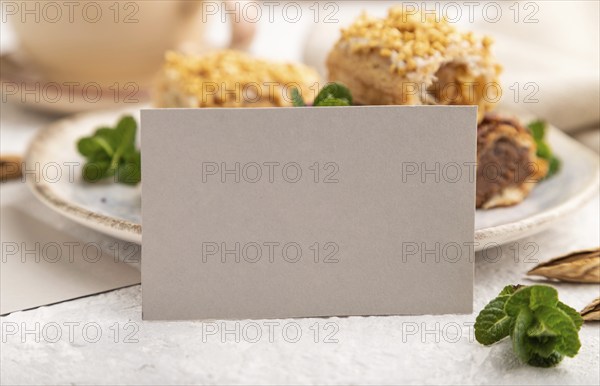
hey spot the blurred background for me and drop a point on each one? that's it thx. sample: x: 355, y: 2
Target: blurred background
x: 549, y: 50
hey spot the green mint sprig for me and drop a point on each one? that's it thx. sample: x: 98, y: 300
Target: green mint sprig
x: 334, y: 94
x: 544, y: 151
x: 111, y: 152
x: 543, y: 330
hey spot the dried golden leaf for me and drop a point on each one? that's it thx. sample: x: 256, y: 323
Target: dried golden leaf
x: 576, y: 267
x: 10, y: 167
x: 592, y: 311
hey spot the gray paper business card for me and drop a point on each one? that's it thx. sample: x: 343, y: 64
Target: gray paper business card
x: 299, y: 212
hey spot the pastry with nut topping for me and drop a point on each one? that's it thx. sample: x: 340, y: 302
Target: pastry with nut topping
x: 418, y: 59
x: 415, y: 59
x: 231, y: 79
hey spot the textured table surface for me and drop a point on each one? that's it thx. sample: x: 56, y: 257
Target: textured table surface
x: 357, y: 350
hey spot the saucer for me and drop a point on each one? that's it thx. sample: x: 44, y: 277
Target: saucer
x: 24, y: 84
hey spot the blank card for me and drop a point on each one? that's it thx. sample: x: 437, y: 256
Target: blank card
x: 300, y: 212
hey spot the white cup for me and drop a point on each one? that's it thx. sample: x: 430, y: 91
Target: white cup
x: 109, y: 41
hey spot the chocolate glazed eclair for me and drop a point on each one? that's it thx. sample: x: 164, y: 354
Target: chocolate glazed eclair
x: 507, y: 165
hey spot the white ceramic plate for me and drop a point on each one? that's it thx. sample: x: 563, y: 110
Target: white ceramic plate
x: 116, y: 210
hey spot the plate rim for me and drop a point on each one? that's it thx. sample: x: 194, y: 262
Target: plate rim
x: 119, y: 228
x: 131, y: 231
x: 542, y: 220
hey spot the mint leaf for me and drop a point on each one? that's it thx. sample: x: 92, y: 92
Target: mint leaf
x: 492, y: 323
x: 568, y: 343
x: 96, y: 171
x: 89, y: 147
x: 542, y: 339
x: 549, y: 361
x: 107, y: 138
x: 125, y: 135
x: 537, y: 129
x: 522, y: 322
x: 542, y: 329
x: 334, y: 102
x: 531, y: 297
x: 129, y: 172
x: 518, y: 300
x: 297, y: 99
x: 574, y: 315
x: 544, y: 151
x: 110, y: 152
x: 542, y: 346
x: 333, y: 94
x: 127, y: 124
x: 101, y: 143
x: 510, y: 289
x: 542, y: 295
x: 553, y: 167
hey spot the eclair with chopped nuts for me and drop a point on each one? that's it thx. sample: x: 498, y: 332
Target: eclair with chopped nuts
x: 231, y: 79
x: 419, y: 59
x: 415, y: 59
